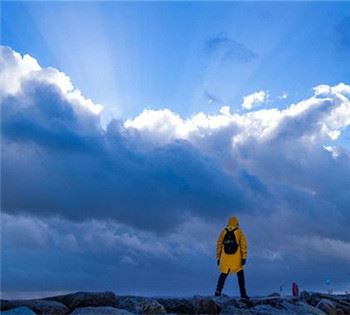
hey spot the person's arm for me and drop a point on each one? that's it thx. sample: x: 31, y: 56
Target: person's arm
x: 243, y: 246
x: 220, y: 244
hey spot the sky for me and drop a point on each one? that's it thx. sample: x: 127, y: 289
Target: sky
x: 131, y: 131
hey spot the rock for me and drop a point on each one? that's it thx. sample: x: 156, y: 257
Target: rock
x: 205, y: 305
x: 285, y: 308
x: 19, y: 311
x: 265, y: 309
x: 275, y: 302
x: 153, y: 307
x: 178, y: 306
x: 195, y: 305
x: 306, y: 296
x: 225, y: 300
x: 140, y: 305
x: 106, y: 303
x: 226, y: 305
x: 274, y: 294
x: 341, y: 303
x: 327, y: 306
x: 299, y: 307
x: 38, y: 306
x: 314, y: 299
x: 229, y: 305
x: 100, y: 310
x: 84, y: 299
x: 230, y: 309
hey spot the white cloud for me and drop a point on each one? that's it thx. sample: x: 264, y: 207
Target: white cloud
x: 319, y: 117
x: 283, y: 96
x: 333, y: 150
x: 255, y: 99
x: 225, y: 110
x: 16, y: 70
x: 324, y: 89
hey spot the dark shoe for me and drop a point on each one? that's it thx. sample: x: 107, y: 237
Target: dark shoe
x: 217, y: 293
x: 245, y: 298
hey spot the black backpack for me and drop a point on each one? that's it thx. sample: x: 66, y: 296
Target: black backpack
x: 230, y: 242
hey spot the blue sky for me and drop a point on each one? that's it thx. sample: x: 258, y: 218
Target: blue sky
x: 132, y: 131
x: 129, y: 56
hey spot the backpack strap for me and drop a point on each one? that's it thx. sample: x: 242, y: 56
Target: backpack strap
x: 227, y: 230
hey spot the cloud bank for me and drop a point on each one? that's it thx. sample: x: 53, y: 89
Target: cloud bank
x: 141, y: 192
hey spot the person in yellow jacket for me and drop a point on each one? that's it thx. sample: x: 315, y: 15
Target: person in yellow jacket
x: 231, y: 255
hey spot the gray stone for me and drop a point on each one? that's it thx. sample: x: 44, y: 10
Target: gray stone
x: 100, y: 310
x: 286, y: 306
x: 274, y: 294
x: 19, y: 311
x: 327, y: 306
x: 140, y: 305
x: 205, y: 305
x: 106, y: 303
x: 265, y: 309
x: 177, y: 306
x: 229, y: 305
x: 230, y: 309
x: 299, y: 307
x: 84, y: 299
x: 314, y: 299
x: 38, y: 306
x: 306, y: 296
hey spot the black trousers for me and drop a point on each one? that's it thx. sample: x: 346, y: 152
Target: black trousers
x: 241, y: 282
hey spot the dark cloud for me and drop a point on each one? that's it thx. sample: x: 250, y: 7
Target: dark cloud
x: 98, y: 175
x: 148, y: 197
x: 102, y: 256
x: 226, y: 48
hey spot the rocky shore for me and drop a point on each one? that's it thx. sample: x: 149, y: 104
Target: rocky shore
x: 107, y: 303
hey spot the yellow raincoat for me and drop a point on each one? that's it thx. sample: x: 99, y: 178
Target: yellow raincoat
x: 231, y: 263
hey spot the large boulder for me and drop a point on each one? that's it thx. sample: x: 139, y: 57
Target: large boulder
x: 140, y: 305
x: 285, y: 306
x: 84, y: 299
x: 229, y: 305
x: 225, y: 300
x: 39, y: 306
x: 195, y: 305
x: 311, y: 298
x: 177, y: 305
x: 265, y: 309
x: 205, y: 305
x: 292, y: 306
x: 327, y: 306
x: 19, y: 311
x: 100, y: 310
x: 274, y: 294
x: 271, y: 300
x: 340, y: 302
x: 231, y: 309
x: 305, y: 295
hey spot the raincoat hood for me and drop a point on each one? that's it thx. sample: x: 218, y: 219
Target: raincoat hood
x: 232, y: 221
